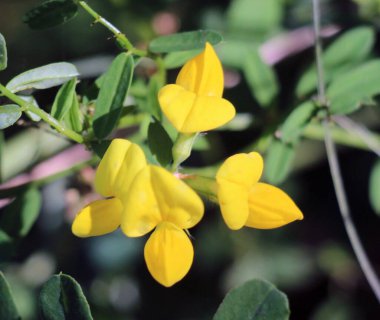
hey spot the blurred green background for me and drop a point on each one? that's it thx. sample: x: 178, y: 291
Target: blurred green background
x: 311, y: 261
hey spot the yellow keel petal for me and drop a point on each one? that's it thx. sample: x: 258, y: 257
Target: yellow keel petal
x: 270, y: 207
x: 98, y: 218
x: 168, y: 254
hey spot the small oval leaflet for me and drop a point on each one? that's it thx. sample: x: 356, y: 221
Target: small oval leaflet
x: 255, y: 300
x: 50, y: 13
x: 184, y: 41
x: 62, y: 298
x: 114, y: 88
x: 44, y: 77
x: 9, y: 114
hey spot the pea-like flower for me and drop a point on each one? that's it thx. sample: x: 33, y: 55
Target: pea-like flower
x: 141, y: 197
x: 116, y: 171
x: 245, y: 201
x: 157, y: 199
x: 195, y: 102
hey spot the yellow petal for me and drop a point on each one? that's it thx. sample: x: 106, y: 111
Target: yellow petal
x: 119, y: 165
x: 270, y: 207
x: 168, y: 254
x: 235, y: 178
x: 203, y: 74
x: 157, y: 195
x: 141, y: 213
x: 98, y: 218
x: 191, y: 113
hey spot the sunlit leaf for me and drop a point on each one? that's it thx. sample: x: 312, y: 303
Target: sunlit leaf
x: 114, y: 88
x: 8, y: 310
x: 9, y: 114
x: 261, y: 79
x: 278, y: 161
x: 160, y: 143
x: 184, y: 41
x: 254, y: 300
x: 374, y: 187
x: 347, y: 92
x: 50, y: 13
x: 3, y: 53
x: 343, y: 54
x: 48, y: 76
x: 296, y: 121
x: 62, y: 298
x: 64, y: 99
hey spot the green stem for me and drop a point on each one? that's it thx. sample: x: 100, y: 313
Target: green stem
x: 335, y: 168
x: 25, y: 106
x: 121, y: 38
x: 182, y: 148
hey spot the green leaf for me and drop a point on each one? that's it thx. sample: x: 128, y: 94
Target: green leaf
x: 177, y: 59
x: 44, y: 77
x: 101, y: 147
x: 278, y: 161
x: 16, y: 221
x: 255, y: 17
x: 347, y: 92
x: 184, y: 41
x: 345, y: 52
x: 8, y: 310
x: 254, y: 300
x: 261, y: 79
x: 32, y: 116
x: 9, y: 114
x: 114, y: 88
x: 74, y: 118
x: 155, y: 84
x: 19, y: 217
x: 50, y: 13
x: 374, y: 187
x: 64, y: 99
x: 160, y: 143
x: 3, y: 53
x: 62, y: 298
x: 296, y: 121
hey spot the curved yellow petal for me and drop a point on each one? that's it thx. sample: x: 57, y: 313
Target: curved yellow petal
x: 168, y: 254
x: 118, y: 167
x: 178, y: 203
x: 203, y: 74
x: 243, y: 168
x: 191, y: 113
x: 157, y: 195
x: 141, y: 212
x: 233, y: 201
x: 235, y: 178
x: 270, y: 207
x: 98, y: 218
x: 134, y: 161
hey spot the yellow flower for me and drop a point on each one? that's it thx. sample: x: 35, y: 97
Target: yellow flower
x: 195, y: 102
x: 142, y: 197
x: 157, y: 199
x: 118, y: 167
x: 246, y: 202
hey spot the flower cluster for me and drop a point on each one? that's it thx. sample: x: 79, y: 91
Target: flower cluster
x: 140, y: 198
